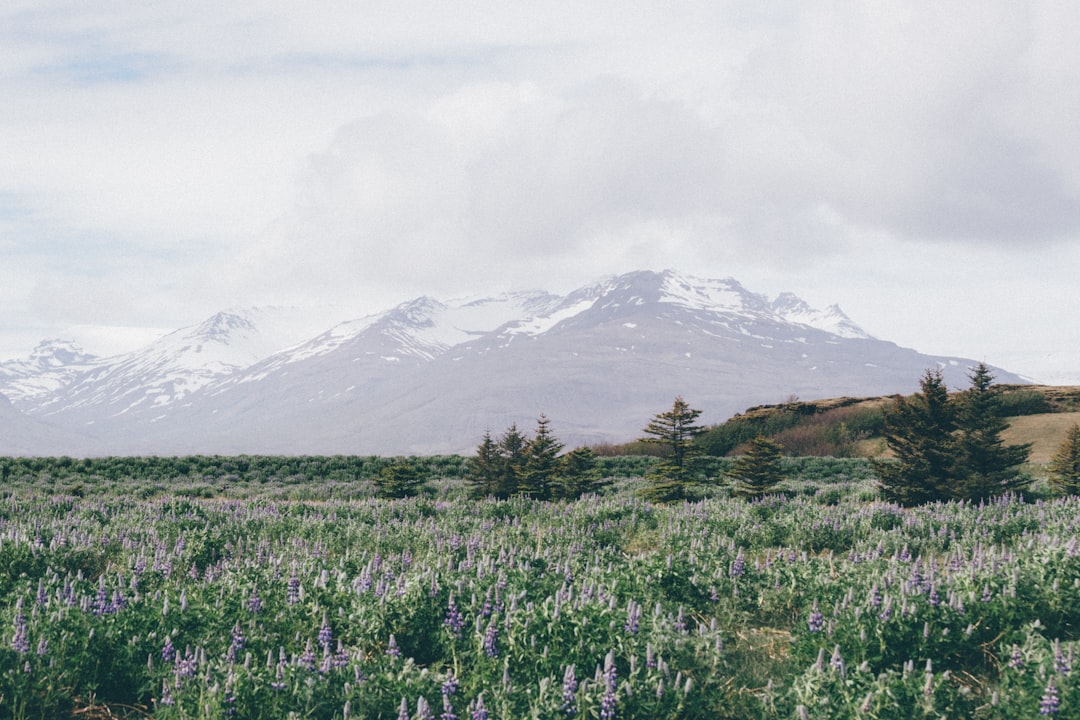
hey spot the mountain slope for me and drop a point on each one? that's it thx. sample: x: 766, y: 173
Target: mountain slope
x: 431, y: 377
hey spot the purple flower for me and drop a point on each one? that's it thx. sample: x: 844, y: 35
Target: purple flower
x: 326, y: 634
x: 1016, y: 661
x: 450, y: 684
x: 392, y: 649
x: 738, y: 567
x: 479, y: 712
x: 20, y: 641
x: 448, y: 710
x: 454, y: 621
x: 611, y: 677
x: 292, y: 590
x: 254, y: 603
x: 423, y: 710
x: 1050, y: 703
x: 491, y: 640
x: 633, y: 617
x: 168, y: 652
x: 816, y: 621
x: 569, y: 691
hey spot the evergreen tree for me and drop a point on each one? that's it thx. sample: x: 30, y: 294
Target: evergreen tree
x: 919, y: 431
x: 758, y: 471
x: 398, y: 480
x: 1065, y: 464
x: 675, y: 431
x: 512, y: 448
x: 985, y: 465
x: 541, y: 462
x: 580, y: 474
x: 485, y: 473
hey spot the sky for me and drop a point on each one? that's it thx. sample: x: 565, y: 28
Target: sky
x: 917, y: 163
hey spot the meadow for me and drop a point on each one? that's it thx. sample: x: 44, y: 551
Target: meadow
x: 241, y: 596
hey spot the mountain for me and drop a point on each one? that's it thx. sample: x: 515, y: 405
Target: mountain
x: 430, y: 376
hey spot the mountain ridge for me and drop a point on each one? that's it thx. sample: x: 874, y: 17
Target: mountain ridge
x: 431, y: 376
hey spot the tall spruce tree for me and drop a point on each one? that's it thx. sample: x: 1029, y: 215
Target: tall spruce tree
x: 674, y: 431
x: 1065, y: 465
x: 985, y: 466
x: 919, y: 431
x: 485, y: 471
x: 512, y: 448
x: 759, y: 470
x: 580, y: 474
x: 541, y: 462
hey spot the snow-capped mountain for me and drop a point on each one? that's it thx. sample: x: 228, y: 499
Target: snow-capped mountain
x: 431, y: 376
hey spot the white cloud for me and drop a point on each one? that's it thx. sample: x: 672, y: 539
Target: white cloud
x: 166, y: 161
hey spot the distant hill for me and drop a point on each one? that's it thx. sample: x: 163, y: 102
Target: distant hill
x: 431, y: 376
x: 852, y: 426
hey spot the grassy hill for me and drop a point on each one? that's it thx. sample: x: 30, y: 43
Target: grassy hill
x: 852, y: 427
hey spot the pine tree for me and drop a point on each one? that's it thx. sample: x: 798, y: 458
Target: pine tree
x: 399, y: 480
x: 759, y: 470
x: 485, y: 473
x: 1065, y: 464
x: 541, y: 462
x: 919, y: 431
x: 579, y: 474
x: 675, y: 431
x: 512, y: 446
x: 985, y: 466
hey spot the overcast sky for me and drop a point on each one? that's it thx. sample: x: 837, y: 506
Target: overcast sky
x: 917, y: 163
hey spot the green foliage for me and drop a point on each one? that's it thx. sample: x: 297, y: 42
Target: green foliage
x: 675, y: 431
x: 758, y: 471
x: 919, y: 431
x: 1065, y: 465
x: 399, y: 480
x: 985, y: 466
x: 950, y: 448
x: 542, y: 464
x: 580, y: 474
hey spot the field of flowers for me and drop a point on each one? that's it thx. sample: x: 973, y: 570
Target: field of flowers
x: 264, y: 602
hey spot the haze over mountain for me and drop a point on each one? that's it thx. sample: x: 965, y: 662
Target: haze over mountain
x: 431, y: 376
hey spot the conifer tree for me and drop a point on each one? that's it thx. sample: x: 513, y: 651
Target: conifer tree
x: 512, y: 446
x: 398, y: 480
x: 674, y: 431
x: 1065, y: 464
x: 759, y: 470
x: 919, y: 431
x: 985, y: 465
x: 541, y: 462
x: 579, y: 474
x: 485, y: 471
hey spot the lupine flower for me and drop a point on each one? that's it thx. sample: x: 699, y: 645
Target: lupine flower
x: 254, y: 603
x: 738, y: 567
x: 1062, y: 663
x: 292, y: 590
x: 611, y: 677
x: 326, y: 634
x: 168, y: 652
x: 816, y: 621
x: 450, y: 684
x: 479, y: 712
x: 569, y: 691
x: 454, y: 621
x: 403, y: 710
x: 491, y: 640
x: 423, y: 710
x: 392, y: 648
x: 1050, y: 703
x: 20, y: 641
x: 448, y: 710
x: 1016, y: 660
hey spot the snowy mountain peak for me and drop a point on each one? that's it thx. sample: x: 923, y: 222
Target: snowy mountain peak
x: 56, y: 352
